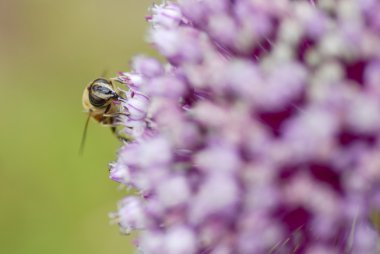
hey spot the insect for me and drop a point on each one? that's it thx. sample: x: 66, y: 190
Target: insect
x: 102, y: 100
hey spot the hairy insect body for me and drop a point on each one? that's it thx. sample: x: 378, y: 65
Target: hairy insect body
x: 102, y: 101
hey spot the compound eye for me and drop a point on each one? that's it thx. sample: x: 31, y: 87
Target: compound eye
x: 102, y: 89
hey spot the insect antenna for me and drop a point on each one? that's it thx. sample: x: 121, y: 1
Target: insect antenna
x: 84, y: 134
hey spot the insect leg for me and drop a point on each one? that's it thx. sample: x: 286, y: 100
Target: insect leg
x: 107, y: 109
x: 119, y: 136
x: 116, y: 114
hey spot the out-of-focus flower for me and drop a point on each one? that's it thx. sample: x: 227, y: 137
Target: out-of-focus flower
x: 261, y: 133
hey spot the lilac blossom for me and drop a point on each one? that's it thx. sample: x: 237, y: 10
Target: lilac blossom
x: 260, y: 132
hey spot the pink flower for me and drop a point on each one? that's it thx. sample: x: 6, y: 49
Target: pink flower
x: 260, y: 133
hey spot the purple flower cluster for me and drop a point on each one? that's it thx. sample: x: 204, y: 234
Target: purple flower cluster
x: 260, y: 134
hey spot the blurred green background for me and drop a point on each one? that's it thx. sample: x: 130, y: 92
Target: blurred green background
x: 52, y: 200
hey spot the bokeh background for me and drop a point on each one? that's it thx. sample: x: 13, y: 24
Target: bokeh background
x: 52, y: 200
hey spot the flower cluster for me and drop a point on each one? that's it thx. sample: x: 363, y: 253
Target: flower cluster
x: 260, y: 134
